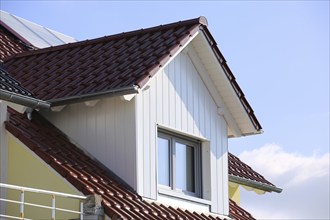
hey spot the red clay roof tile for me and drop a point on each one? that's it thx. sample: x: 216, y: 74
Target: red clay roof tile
x: 238, y: 213
x: 70, y: 162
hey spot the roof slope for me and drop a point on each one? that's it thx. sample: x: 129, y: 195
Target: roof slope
x: 90, y: 177
x: 100, y: 65
x: 242, y: 173
x: 238, y: 213
x: 113, y: 65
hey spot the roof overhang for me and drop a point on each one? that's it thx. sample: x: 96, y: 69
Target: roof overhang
x: 124, y: 92
x: 223, y: 87
x: 254, y: 184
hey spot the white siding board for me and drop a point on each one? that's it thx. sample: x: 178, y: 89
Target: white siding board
x: 177, y: 88
x: 183, y: 97
x: 165, y: 98
x: 106, y: 131
x: 146, y: 140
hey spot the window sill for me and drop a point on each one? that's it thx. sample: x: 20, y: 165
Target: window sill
x: 178, y: 195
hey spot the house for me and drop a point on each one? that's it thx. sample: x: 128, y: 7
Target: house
x: 142, y: 118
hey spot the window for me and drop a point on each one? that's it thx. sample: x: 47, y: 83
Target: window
x: 179, y: 164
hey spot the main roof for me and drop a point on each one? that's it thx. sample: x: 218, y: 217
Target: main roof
x: 31, y: 33
x: 90, y: 177
x: 116, y: 64
x: 10, y: 44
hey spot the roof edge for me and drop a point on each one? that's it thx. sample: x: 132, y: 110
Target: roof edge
x: 24, y: 100
x: 232, y: 80
x: 254, y: 184
x: 200, y: 20
x: 87, y: 97
x: 17, y: 35
x: 172, y: 53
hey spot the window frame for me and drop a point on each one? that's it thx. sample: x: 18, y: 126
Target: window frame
x: 174, y: 138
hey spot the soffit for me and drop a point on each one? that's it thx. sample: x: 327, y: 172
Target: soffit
x: 225, y: 83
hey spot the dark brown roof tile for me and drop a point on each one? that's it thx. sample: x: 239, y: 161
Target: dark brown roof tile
x: 99, y: 65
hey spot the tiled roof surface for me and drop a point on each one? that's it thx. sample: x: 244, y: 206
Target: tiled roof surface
x: 9, y: 44
x: 90, y: 177
x: 240, y: 169
x: 8, y: 83
x: 102, y: 64
x: 238, y: 213
x: 110, y: 63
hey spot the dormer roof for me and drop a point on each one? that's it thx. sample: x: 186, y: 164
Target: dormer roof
x: 123, y: 64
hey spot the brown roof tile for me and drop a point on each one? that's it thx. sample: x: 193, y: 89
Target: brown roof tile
x: 90, y: 177
x: 238, y: 213
x: 102, y: 64
x: 238, y: 168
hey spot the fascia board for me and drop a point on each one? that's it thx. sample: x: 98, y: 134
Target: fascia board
x: 222, y: 108
x: 235, y: 97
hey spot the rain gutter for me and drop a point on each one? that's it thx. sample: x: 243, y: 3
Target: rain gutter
x: 24, y: 100
x: 87, y: 97
x: 254, y: 184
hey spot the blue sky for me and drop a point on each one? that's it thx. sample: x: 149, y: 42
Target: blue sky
x: 279, y: 53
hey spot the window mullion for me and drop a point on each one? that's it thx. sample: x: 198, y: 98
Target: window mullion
x: 173, y: 176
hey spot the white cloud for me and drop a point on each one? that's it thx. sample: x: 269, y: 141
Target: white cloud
x: 304, y: 179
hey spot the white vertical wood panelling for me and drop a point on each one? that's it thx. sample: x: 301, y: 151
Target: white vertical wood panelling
x: 179, y: 99
x: 107, y: 131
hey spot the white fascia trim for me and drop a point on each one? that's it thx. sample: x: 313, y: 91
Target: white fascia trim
x: 222, y: 108
x: 230, y: 86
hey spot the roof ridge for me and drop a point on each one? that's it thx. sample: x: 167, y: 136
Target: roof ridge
x: 195, y: 21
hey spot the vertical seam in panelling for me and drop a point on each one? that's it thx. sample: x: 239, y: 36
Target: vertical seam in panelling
x: 149, y: 135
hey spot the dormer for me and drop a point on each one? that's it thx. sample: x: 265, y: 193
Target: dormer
x: 156, y: 106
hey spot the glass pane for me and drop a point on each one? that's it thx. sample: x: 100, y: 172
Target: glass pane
x: 163, y: 161
x: 185, y: 167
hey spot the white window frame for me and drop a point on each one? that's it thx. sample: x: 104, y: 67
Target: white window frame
x: 196, y: 144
